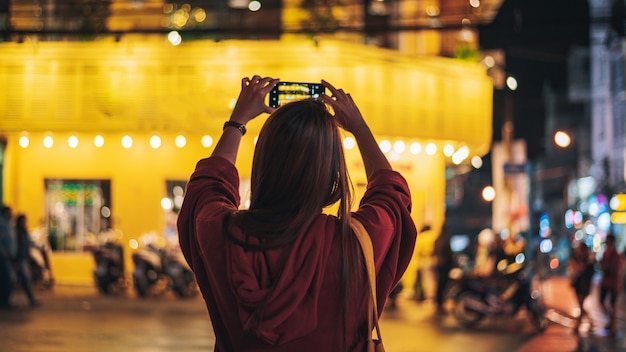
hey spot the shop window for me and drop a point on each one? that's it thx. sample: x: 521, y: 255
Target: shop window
x: 175, y: 191
x: 76, y: 212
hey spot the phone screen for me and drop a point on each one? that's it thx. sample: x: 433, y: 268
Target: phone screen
x: 285, y: 92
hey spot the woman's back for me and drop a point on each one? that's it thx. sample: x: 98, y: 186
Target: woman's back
x: 289, y: 296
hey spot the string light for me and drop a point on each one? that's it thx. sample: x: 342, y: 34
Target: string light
x: 155, y: 142
x: 48, y: 142
x: 98, y: 141
x: 394, y: 150
x: 72, y: 141
x: 180, y: 141
x: 24, y: 141
x: 127, y: 142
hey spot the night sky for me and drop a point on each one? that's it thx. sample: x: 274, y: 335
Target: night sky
x: 536, y: 36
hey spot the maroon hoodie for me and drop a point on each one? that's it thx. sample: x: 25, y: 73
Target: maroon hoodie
x: 256, y: 306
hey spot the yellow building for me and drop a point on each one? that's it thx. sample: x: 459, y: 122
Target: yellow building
x: 171, y: 102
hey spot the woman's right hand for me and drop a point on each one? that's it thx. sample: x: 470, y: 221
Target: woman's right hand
x: 251, y: 100
x: 349, y: 117
x: 346, y: 111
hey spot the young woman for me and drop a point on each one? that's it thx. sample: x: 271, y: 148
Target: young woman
x: 282, y: 275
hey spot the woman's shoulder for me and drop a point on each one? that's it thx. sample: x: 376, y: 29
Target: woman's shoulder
x: 215, y: 166
x: 386, y: 176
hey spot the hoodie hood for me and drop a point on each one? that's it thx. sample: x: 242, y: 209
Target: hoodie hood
x: 278, y: 289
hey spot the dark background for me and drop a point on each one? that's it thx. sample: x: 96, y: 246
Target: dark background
x: 536, y: 36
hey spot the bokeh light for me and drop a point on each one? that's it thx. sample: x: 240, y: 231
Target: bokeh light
x: 166, y: 203
x: 72, y: 141
x: 349, y: 143
x: 431, y: 148
x: 127, y: 142
x: 385, y: 146
x: 511, y: 83
x: 48, y: 142
x: 98, y: 141
x: 399, y: 146
x: 24, y: 141
x: 254, y: 5
x: 174, y: 38
x: 477, y: 162
x: 180, y: 141
x: 155, y: 142
x: 489, y: 193
x: 206, y: 141
x: 415, y: 148
x: 562, y: 139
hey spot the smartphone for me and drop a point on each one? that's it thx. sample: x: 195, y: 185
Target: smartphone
x: 285, y: 92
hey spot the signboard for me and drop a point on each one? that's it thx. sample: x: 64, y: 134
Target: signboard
x: 510, y: 207
x: 619, y: 217
x: 618, y: 202
x: 514, y: 168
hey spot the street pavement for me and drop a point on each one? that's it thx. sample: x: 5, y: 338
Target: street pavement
x: 77, y: 319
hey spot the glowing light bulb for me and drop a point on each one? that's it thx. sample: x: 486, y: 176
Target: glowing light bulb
x: 48, y: 142
x: 155, y: 142
x: 127, y: 142
x: 206, y: 141
x: 24, y: 141
x: 385, y: 146
x: 98, y: 141
x: 399, y: 146
x: 72, y: 142
x: 349, y: 143
x: 180, y: 141
x: 431, y: 148
x: 415, y: 148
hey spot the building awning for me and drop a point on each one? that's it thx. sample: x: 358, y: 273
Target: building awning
x: 152, y: 85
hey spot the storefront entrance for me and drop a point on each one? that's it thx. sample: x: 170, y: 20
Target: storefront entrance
x: 76, y: 212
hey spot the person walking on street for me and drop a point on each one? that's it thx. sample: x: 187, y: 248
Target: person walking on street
x: 582, y: 267
x: 611, y: 264
x: 444, y: 258
x: 7, y: 250
x: 422, y: 253
x: 22, y: 257
x: 283, y: 275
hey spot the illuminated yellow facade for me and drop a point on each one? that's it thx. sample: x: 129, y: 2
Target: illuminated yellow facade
x: 144, y: 88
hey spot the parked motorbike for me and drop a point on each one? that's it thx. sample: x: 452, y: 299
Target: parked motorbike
x: 160, y: 269
x: 109, y: 275
x: 39, y: 260
x: 501, y: 295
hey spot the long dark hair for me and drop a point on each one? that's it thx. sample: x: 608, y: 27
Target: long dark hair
x: 298, y: 169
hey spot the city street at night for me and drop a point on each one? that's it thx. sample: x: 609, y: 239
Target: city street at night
x: 484, y: 138
x: 74, y: 319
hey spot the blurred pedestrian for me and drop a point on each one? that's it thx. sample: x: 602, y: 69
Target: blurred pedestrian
x: 582, y: 268
x: 283, y: 275
x: 611, y: 264
x: 423, y: 255
x: 7, y: 252
x: 444, y: 258
x: 487, y: 254
x: 21, y: 260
